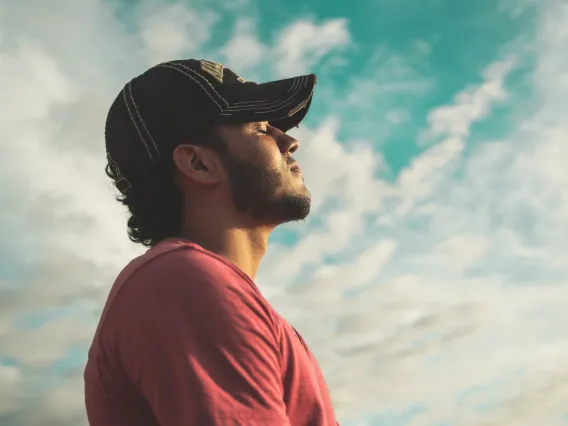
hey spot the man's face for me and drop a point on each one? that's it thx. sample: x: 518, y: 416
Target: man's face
x: 266, y: 182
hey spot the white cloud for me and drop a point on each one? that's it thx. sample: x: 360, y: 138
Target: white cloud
x: 244, y: 51
x: 397, y: 116
x: 381, y: 96
x: 470, y: 105
x: 37, y: 84
x: 396, y: 286
x: 294, y: 50
x: 422, y: 47
x: 479, y: 270
x: 173, y: 31
x: 462, y: 250
x: 425, y: 172
x: 10, y: 392
x: 302, y: 44
x: 64, y: 226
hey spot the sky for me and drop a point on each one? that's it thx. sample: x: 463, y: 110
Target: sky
x: 430, y: 280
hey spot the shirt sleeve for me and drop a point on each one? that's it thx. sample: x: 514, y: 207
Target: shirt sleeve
x: 199, y: 345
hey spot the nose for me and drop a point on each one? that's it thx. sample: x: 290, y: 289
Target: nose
x: 288, y: 144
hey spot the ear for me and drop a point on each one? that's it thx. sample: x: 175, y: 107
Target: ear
x: 199, y: 164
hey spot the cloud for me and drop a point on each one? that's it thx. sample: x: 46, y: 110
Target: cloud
x: 174, y: 30
x: 448, y: 278
x: 244, y: 51
x: 302, y: 44
x: 462, y: 250
x: 10, y: 379
x: 380, y: 96
x: 477, y: 273
x: 295, y: 49
x: 471, y: 104
x: 66, y: 234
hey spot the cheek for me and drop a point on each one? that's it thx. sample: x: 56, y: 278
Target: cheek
x: 259, y: 151
x: 267, y: 155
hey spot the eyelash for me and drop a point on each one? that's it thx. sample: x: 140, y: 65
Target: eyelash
x: 264, y: 132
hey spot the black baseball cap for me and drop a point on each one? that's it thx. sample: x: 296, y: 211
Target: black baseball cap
x: 170, y: 102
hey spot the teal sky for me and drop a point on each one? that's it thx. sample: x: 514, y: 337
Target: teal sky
x: 430, y: 279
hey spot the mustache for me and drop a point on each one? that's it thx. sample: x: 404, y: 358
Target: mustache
x: 290, y: 160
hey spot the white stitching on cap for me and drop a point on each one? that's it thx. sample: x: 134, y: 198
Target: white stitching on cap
x: 282, y: 102
x: 202, y: 78
x: 275, y: 109
x: 141, y: 119
x: 193, y: 78
x: 134, y: 122
x: 249, y: 105
x: 275, y: 105
x: 289, y: 101
x: 296, y: 87
x: 266, y: 102
x: 294, y: 84
x: 251, y: 102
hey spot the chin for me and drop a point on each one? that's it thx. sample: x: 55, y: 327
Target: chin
x: 295, y: 206
x: 289, y: 206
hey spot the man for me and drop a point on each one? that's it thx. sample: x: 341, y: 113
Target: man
x: 205, y: 167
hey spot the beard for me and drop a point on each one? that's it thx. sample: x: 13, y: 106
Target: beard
x: 263, y: 193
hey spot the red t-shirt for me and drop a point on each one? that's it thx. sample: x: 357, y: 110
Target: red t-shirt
x: 187, y: 339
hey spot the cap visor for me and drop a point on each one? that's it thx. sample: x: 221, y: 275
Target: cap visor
x: 283, y: 103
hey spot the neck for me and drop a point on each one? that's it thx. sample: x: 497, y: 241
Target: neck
x: 244, y: 246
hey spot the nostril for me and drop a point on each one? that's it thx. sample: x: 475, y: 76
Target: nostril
x: 294, y: 147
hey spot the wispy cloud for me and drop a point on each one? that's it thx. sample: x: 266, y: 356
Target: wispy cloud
x: 244, y: 51
x: 443, y: 287
x: 466, y: 295
x: 304, y: 43
x: 471, y: 105
x: 170, y: 31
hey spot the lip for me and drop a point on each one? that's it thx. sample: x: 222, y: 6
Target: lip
x: 296, y: 168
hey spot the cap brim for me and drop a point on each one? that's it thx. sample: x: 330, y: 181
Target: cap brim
x: 283, y: 103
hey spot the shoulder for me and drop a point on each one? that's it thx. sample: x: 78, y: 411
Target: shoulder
x: 182, y: 278
x: 179, y: 267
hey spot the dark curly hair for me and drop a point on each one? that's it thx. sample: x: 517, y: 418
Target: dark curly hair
x: 155, y: 201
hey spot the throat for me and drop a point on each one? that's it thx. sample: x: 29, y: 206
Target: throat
x: 244, y: 248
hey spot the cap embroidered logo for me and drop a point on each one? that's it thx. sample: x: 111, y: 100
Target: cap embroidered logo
x: 213, y: 69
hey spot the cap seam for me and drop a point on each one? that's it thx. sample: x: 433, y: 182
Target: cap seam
x: 141, y: 119
x: 193, y: 78
x: 204, y: 79
x: 175, y: 64
x: 134, y: 122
